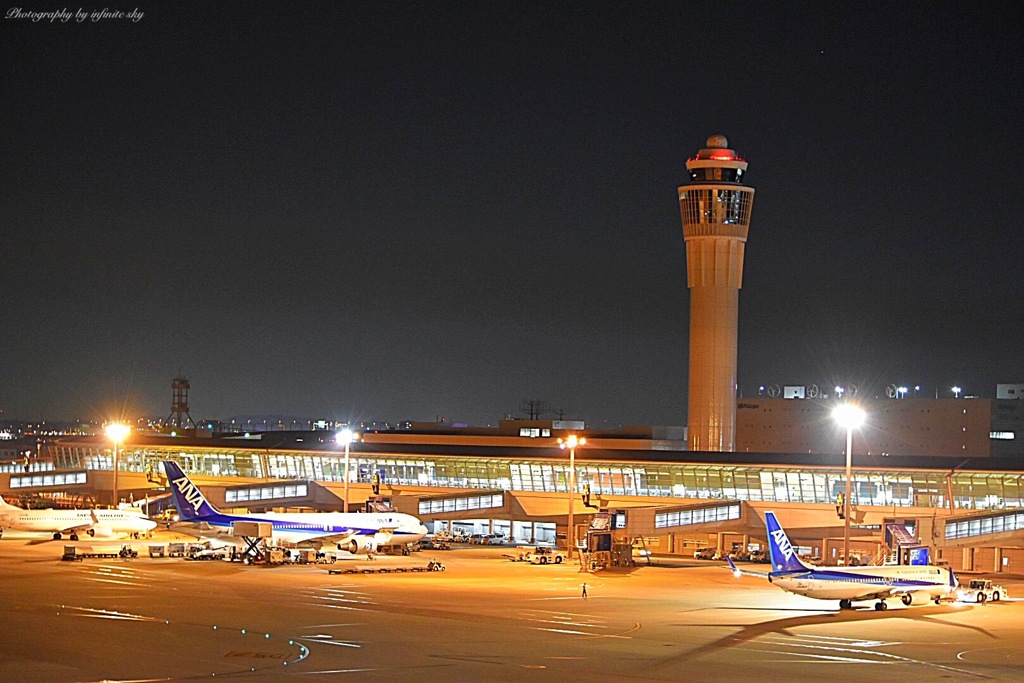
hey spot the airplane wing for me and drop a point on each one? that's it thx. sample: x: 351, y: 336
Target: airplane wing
x: 197, y: 529
x: 76, y: 528
x: 82, y: 527
x: 383, y: 535
x: 749, y: 572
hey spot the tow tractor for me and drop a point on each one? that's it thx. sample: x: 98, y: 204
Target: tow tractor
x: 980, y: 590
x: 545, y: 555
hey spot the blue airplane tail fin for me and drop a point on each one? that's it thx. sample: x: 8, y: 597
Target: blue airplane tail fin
x: 781, y: 551
x: 188, y: 499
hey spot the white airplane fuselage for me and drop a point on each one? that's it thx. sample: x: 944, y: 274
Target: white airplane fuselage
x: 862, y: 583
x: 106, y: 522
x: 311, y: 528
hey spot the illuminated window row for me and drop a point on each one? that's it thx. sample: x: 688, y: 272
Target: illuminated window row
x: 428, y: 507
x: 969, y: 490
x: 987, y: 525
x: 33, y: 466
x: 267, y: 493
x: 719, y: 513
x: 35, y: 480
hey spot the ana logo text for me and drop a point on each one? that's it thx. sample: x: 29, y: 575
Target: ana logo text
x: 189, y: 492
x: 785, y: 547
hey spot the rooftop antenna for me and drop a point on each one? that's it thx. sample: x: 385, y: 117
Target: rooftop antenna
x: 534, y: 409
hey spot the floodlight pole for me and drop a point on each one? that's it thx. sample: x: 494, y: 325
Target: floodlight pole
x: 346, y: 436
x: 846, y: 497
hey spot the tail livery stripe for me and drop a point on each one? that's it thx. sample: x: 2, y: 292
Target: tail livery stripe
x: 187, y: 497
x: 781, y: 551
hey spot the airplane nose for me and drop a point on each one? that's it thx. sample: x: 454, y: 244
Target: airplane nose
x: 422, y: 531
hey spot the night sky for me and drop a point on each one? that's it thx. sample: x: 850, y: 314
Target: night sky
x: 421, y: 210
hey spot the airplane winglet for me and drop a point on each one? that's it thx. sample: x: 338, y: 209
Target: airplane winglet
x: 737, y: 572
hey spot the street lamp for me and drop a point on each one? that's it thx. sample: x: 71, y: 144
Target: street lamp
x: 849, y: 416
x: 571, y: 442
x: 117, y: 433
x: 956, y: 392
x: 346, y: 436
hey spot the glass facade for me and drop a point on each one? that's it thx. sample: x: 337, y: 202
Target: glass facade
x: 271, y: 492
x: 995, y: 524
x: 440, y: 505
x: 720, y: 513
x: 768, y: 483
x: 37, y: 480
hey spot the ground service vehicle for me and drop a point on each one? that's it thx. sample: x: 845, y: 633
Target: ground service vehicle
x: 704, y: 554
x: 981, y: 590
x: 545, y: 555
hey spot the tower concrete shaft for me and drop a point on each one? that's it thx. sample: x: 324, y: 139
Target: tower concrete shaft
x: 715, y: 208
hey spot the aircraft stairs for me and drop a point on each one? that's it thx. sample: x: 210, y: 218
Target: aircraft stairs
x: 898, y: 538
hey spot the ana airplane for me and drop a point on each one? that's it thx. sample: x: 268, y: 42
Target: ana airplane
x: 360, y: 533
x: 913, y: 584
x: 99, y: 523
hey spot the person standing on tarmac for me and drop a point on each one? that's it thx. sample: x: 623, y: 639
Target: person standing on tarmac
x: 584, y: 590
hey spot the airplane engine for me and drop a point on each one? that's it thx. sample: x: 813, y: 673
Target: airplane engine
x: 359, y: 546
x: 916, y: 598
x: 101, y: 531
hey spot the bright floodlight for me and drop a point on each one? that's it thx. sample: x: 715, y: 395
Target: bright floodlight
x: 345, y: 436
x: 117, y: 431
x: 848, y: 416
x: 571, y: 441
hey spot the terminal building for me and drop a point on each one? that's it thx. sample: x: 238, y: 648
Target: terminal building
x: 966, y: 507
x: 946, y: 475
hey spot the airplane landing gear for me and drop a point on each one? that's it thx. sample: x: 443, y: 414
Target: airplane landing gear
x: 881, y: 606
x: 845, y: 604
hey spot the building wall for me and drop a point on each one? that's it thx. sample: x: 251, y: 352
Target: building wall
x: 1008, y: 428
x: 894, y: 427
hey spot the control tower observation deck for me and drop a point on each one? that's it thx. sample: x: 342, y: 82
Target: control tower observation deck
x: 715, y: 208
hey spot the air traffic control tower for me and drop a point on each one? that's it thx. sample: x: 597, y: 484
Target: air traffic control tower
x: 715, y: 207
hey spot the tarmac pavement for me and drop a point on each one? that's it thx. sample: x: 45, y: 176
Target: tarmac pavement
x: 484, y: 619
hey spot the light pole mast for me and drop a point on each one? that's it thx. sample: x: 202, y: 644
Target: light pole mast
x: 850, y: 417
x: 715, y: 209
x: 345, y: 436
x: 571, y: 442
x: 117, y: 433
